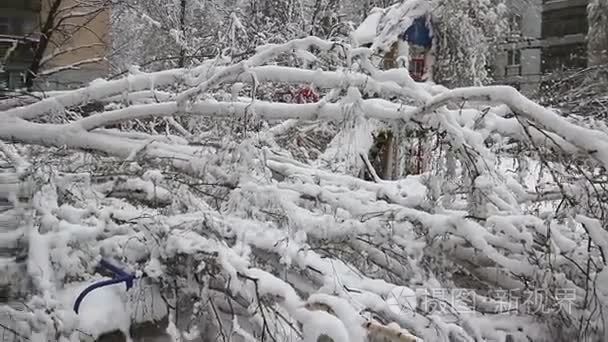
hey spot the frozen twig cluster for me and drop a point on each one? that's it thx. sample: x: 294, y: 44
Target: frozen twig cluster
x: 246, y: 243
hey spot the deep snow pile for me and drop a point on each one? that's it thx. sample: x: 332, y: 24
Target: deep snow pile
x: 181, y: 178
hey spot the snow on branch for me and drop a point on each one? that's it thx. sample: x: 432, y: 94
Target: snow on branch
x: 261, y: 109
x: 101, y: 89
x: 587, y: 140
x: 60, y: 52
x: 73, y: 66
x: 183, y: 176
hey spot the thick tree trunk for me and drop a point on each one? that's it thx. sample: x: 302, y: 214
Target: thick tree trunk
x: 390, y: 58
x: 182, y: 27
x: 389, y: 158
x: 46, y: 31
x: 382, y: 155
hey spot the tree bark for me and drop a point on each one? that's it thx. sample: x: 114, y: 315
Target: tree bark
x: 182, y: 28
x: 389, y: 158
x: 46, y: 32
x: 390, y: 58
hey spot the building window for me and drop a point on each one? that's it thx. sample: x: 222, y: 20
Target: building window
x: 3, y: 81
x: 513, y: 67
x: 12, y: 80
x: 16, y: 80
x: 566, y: 21
x: 5, y: 26
x: 515, y: 23
x: 513, y: 57
x: 564, y: 57
x: 17, y: 26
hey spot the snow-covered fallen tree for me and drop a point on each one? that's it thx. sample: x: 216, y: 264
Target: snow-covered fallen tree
x: 243, y: 242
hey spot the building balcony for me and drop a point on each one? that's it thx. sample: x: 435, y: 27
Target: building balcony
x: 565, y: 40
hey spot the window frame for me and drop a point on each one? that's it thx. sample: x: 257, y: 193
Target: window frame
x: 5, y: 22
x: 515, y: 24
x: 564, y: 22
x: 563, y: 57
x: 514, y: 57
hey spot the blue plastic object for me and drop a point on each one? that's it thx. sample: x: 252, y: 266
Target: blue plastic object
x: 120, y: 276
x: 419, y: 33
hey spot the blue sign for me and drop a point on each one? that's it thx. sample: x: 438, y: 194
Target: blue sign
x: 419, y: 33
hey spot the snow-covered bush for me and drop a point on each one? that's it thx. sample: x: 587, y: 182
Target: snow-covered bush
x: 243, y: 241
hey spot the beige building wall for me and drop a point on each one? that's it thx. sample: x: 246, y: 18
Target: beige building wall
x: 86, y: 38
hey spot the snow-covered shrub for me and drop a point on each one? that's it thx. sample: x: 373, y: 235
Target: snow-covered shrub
x: 242, y: 237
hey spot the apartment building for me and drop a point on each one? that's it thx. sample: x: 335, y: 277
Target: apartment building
x: 75, y: 53
x: 547, y: 36
x: 18, y: 22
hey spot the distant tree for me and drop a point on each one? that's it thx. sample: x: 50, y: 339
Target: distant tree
x: 598, y: 32
x: 466, y: 32
x: 160, y: 34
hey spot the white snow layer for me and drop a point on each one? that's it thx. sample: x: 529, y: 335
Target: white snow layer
x: 280, y: 206
x: 113, y: 308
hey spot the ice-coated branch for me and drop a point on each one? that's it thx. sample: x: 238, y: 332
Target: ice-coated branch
x: 261, y: 109
x: 101, y: 89
x: 72, y: 66
x: 262, y: 244
x: 587, y: 140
